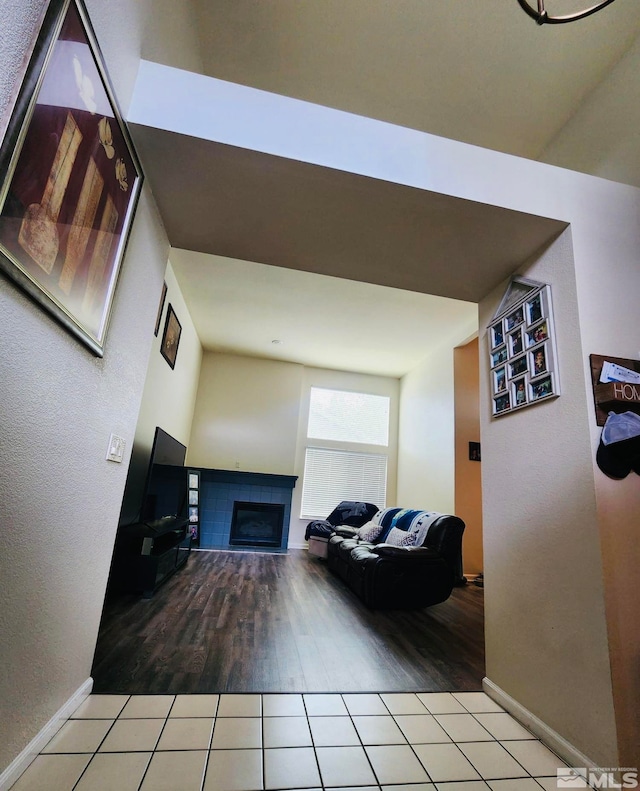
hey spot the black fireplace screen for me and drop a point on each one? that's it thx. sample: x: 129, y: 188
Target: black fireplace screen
x: 256, y: 524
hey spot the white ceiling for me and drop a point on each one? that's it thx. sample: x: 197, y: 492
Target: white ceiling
x: 479, y: 71
x: 241, y: 307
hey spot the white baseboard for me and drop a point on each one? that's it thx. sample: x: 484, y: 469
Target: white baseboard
x: 298, y: 545
x: 21, y: 762
x: 552, y: 739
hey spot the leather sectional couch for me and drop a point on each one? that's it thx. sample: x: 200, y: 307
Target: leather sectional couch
x: 397, y: 558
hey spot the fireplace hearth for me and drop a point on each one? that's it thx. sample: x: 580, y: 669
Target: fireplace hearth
x: 256, y: 524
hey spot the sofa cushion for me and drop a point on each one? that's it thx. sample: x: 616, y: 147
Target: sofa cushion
x: 400, y: 538
x: 369, y: 532
x: 404, y: 553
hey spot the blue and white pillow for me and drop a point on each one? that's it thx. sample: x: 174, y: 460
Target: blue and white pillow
x: 369, y: 532
x: 397, y: 537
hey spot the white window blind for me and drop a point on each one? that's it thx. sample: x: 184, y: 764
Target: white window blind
x: 334, y: 475
x: 348, y: 417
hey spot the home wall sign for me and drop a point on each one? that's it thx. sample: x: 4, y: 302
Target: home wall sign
x: 69, y: 179
x: 522, y: 349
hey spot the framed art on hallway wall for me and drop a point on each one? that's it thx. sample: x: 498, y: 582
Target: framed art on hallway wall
x: 69, y: 179
x: 171, y: 337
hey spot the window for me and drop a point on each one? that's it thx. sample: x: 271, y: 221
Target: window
x: 334, y: 475
x: 339, y: 471
x: 348, y: 417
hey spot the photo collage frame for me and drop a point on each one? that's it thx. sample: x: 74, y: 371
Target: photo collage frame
x: 522, y: 349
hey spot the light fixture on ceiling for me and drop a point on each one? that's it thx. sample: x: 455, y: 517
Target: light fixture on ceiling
x: 542, y: 17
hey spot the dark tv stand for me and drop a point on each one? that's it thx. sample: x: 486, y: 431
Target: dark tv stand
x: 148, y: 553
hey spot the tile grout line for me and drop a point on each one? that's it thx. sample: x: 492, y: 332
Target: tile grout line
x: 308, y: 716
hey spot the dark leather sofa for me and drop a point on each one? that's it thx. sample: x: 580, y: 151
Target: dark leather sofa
x: 415, y: 560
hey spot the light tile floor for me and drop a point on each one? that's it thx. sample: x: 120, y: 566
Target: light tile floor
x: 461, y: 741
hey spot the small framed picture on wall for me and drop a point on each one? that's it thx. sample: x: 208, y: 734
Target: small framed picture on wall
x: 171, y: 337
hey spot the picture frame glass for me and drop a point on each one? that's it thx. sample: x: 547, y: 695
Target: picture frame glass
x: 497, y: 335
x: 538, y: 334
x: 171, y: 337
x: 498, y: 357
x: 72, y: 179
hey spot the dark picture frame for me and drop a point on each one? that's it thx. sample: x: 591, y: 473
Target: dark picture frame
x: 475, y: 453
x: 163, y: 297
x: 171, y: 337
x: 70, y: 179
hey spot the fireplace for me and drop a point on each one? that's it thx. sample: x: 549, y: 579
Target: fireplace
x: 256, y: 524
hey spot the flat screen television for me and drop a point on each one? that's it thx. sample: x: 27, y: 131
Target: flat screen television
x: 165, y: 491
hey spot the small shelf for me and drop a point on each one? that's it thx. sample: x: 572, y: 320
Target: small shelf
x: 147, y: 554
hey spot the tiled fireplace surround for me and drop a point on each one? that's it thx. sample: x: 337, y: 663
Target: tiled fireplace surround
x: 219, y: 489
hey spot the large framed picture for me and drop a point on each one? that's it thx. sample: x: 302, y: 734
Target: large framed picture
x: 69, y: 179
x: 522, y: 348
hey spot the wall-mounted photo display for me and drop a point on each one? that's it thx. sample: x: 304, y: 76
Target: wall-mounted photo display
x: 522, y: 349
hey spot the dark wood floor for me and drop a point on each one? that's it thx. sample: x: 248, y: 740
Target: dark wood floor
x: 255, y: 622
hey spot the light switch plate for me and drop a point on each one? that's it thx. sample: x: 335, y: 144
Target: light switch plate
x: 115, y: 451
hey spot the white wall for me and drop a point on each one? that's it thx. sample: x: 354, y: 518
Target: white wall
x: 246, y: 415
x: 426, y: 438
x: 342, y: 380
x: 602, y: 136
x: 546, y: 633
x: 168, y: 398
x: 58, y: 405
x: 609, y: 295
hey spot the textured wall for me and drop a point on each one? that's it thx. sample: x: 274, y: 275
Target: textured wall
x: 546, y: 637
x: 58, y: 405
x: 168, y: 398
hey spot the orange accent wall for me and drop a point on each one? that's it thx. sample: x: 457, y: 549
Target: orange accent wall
x: 468, y: 478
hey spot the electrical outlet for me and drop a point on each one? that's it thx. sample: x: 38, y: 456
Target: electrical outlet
x: 116, y: 448
x: 237, y: 465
